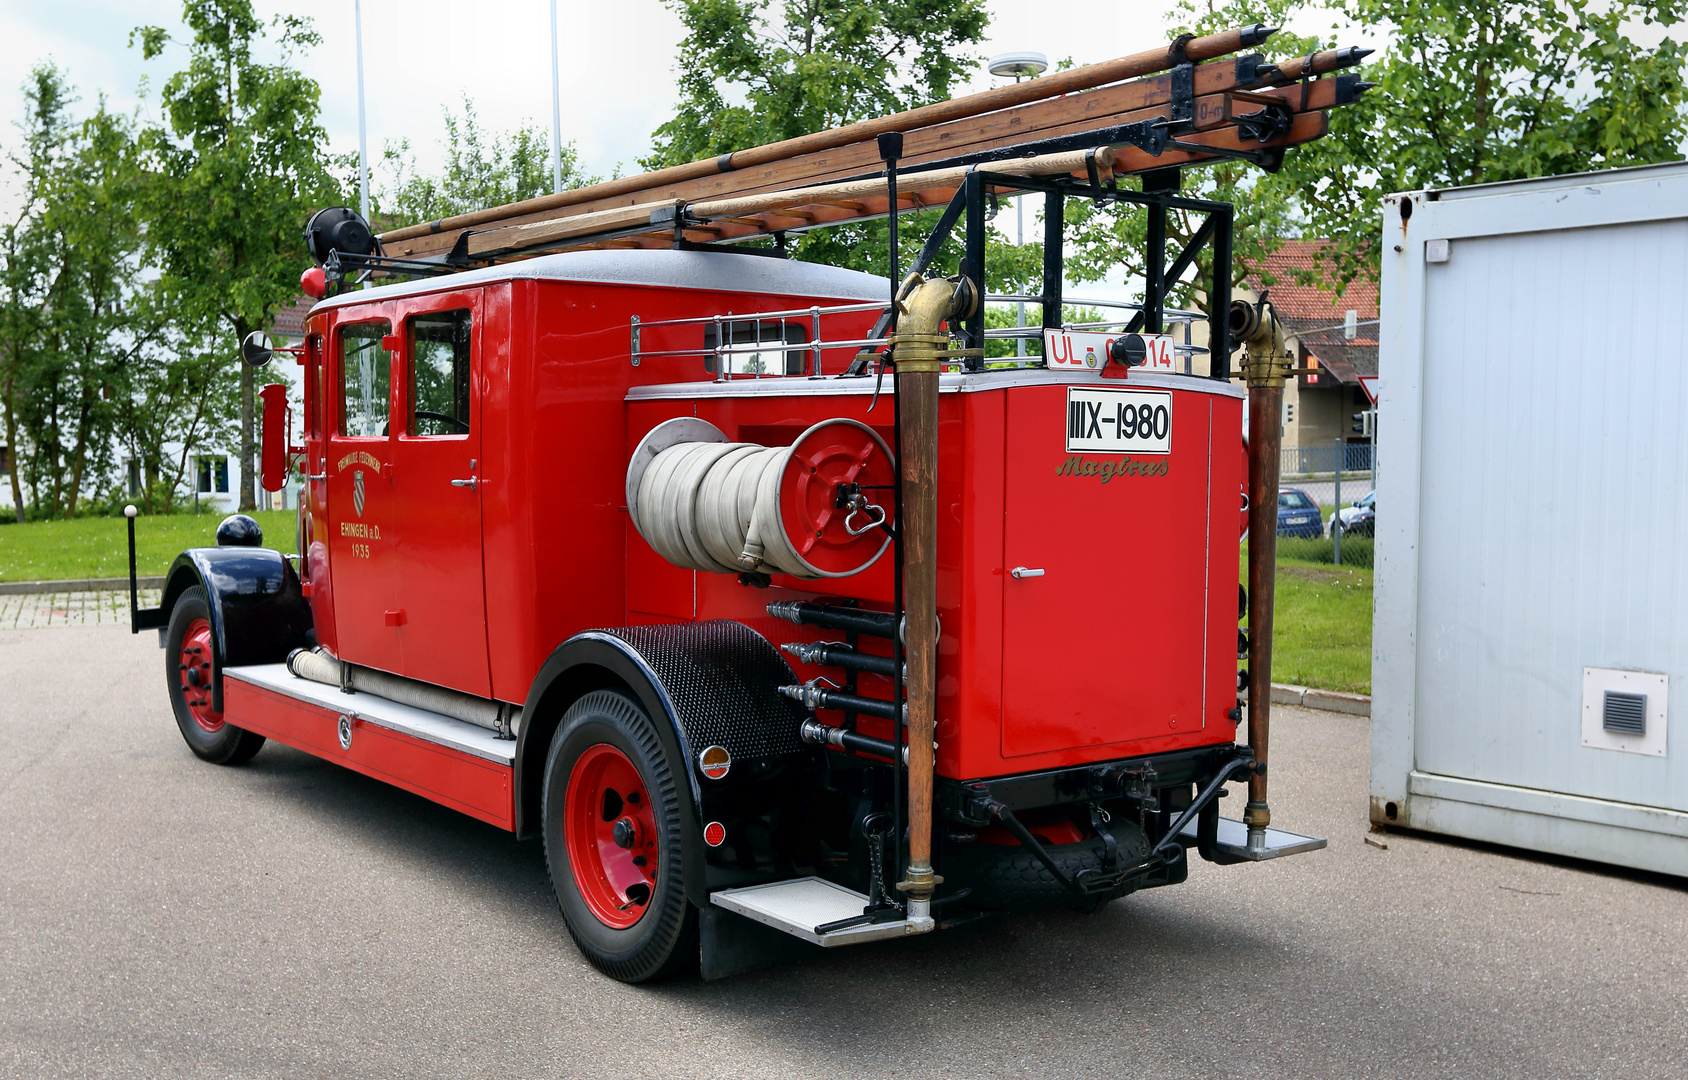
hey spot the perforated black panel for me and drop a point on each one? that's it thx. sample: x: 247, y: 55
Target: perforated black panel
x: 723, y: 679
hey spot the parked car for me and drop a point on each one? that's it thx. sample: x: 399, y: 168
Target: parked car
x: 1298, y: 515
x: 1358, y: 519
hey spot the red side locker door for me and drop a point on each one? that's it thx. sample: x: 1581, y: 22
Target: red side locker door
x: 437, y: 472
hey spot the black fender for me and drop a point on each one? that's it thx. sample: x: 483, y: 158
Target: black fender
x: 705, y: 684
x: 258, y: 613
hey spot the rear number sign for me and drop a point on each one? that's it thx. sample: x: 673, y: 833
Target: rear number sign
x: 1119, y: 421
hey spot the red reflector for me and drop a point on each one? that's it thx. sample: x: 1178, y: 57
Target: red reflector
x: 714, y: 834
x: 395, y: 618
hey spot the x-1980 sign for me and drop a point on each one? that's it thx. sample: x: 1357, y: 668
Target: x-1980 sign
x: 1119, y: 421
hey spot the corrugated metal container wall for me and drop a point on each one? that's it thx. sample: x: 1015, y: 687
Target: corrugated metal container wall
x: 1534, y: 483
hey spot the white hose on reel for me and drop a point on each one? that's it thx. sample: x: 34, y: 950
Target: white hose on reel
x: 706, y: 504
x: 713, y: 507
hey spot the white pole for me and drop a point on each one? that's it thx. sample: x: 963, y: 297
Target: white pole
x: 556, y: 111
x: 363, y: 135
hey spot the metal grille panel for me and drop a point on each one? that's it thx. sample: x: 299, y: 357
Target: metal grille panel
x: 1625, y: 714
x: 723, y: 679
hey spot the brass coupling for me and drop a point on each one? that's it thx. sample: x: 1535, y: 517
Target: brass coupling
x: 1266, y: 367
x: 1256, y: 326
x: 1257, y: 815
x: 921, y: 883
x: 915, y: 354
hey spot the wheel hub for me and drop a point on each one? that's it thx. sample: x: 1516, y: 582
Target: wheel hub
x: 194, y: 665
x: 610, y: 833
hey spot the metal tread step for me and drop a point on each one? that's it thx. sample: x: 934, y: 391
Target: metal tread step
x: 800, y: 905
x: 428, y: 726
x: 1233, y: 840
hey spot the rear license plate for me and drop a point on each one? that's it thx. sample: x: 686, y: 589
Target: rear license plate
x: 1119, y: 421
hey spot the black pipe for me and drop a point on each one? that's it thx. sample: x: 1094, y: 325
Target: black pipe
x: 1208, y: 795
x: 813, y: 731
x: 1218, y: 321
x: 873, y: 623
x: 844, y: 657
x: 1054, y: 218
x: 838, y: 699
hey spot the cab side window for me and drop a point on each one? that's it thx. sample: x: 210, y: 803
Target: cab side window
x: 439, y: 374
x: 366, y: 374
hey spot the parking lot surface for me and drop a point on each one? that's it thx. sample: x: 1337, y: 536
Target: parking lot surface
x: 163, y: 917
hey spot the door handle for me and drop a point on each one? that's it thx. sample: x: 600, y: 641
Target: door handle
x: 316, y: 476
x: 1025, y: 572
x: 473, y: 483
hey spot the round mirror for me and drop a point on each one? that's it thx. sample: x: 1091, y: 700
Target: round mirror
x: 255, y: 350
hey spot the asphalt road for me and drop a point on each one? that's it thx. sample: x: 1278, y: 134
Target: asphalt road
x: 163, y: 917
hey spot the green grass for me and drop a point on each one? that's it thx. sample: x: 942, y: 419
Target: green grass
x: 1323, y: 617
x: 99, y: 547
x: 1322, y: 625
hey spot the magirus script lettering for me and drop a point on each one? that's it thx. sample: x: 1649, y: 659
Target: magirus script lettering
x: 1076, y: 465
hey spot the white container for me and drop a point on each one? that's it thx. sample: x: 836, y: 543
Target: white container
x: 1532, y: 547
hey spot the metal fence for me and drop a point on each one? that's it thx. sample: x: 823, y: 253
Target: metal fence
x: 1338, y: 475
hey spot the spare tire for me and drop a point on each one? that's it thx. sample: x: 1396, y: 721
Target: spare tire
x: 1009, y: 877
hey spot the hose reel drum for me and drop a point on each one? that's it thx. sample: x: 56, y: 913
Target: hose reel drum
x: 818, y: 508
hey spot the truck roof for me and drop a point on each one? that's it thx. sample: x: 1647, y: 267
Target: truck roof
x: 715, y: 271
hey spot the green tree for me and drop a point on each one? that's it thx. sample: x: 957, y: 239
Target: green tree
x: 755, y: 72
x: 481, y: 170
x: 1477, y: 93
x: 759, y: 71
x: 72, y: 314
x: 240, y: 164
x: 1108, y: 240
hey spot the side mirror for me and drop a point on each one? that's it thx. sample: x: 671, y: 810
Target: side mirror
x: 256, y: 350
x: 272, y: 455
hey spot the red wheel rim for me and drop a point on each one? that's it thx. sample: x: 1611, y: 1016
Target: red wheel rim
x: 611, y: 837
x: 193, y: 668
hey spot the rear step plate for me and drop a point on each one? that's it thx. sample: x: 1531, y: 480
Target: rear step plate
x: 1233, y: 840
x: 801, y: 904
x: 367, y: 708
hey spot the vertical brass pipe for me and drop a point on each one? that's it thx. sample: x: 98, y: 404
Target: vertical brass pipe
x: 918, y: 349
x: 1266, y: 367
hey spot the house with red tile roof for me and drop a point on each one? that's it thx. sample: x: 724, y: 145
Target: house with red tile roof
x: 1334, y: 342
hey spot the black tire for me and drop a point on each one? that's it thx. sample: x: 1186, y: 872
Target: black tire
x: 663, y: 942
x: 1011, y: 878
x: 227, y: 745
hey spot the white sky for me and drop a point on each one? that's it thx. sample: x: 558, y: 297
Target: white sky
x: 619, y: 61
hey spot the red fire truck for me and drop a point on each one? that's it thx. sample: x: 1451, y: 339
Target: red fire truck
x: 780, y: 610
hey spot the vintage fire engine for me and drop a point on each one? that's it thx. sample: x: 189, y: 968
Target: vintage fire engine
x: 779, y: 610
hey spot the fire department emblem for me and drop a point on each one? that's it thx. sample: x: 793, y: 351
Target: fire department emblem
x: 357, y: 491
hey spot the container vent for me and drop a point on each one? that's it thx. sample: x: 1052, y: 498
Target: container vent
x: 1625, y: 714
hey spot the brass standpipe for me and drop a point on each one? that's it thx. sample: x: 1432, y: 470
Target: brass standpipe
x: 919, y: 350
x: 1266, y: 367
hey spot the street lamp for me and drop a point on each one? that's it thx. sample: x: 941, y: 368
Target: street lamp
x: 1019, y: 65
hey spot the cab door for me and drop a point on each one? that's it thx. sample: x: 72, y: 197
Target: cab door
x: 356, y: 469
x: 436, y: 491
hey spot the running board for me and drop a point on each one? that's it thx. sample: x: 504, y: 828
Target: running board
x: 1232, y: 839
x: 367, y: 708
x: 802, y: 905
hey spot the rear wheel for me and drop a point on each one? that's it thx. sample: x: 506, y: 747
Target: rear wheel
x: 613, y: 841
x: 190, y: 672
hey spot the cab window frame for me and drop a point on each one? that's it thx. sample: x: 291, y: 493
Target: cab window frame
x: 458, y: 382
x: 341, y: 399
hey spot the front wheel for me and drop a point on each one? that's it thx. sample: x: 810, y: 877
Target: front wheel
x: 613, y: 840
x: 190, y: 672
